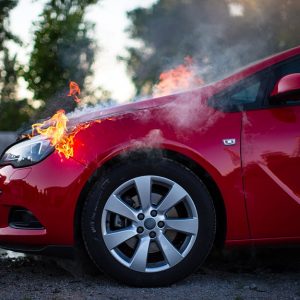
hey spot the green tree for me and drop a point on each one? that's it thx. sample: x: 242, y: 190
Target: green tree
x: 218, y: 39
x: 13, y: 113
x: 9, y: 77
x: 63, y: 50
x: 5, y: 7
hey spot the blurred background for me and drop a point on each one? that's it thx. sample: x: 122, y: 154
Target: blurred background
x: 116, y: 49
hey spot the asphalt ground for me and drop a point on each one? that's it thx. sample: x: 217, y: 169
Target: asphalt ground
x: 256, y: 274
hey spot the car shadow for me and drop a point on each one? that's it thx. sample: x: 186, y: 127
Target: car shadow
x: 268, y: 259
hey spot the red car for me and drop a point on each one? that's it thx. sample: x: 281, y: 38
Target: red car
x: 153, y: 185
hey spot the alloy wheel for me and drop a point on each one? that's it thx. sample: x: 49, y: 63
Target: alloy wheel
x: 149, y: 223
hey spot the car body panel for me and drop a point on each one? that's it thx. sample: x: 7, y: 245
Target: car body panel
x: 50, y: 191
x: 271, y: 160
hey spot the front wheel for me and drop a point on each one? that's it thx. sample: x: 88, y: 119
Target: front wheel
x: 149, y: 223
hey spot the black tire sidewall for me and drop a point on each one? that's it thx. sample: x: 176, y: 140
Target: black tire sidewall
x: 107, y: 184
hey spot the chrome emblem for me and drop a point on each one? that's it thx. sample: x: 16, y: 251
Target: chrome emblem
x: 229, y: 142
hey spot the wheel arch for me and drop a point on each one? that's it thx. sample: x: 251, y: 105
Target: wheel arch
x: 158, y: 153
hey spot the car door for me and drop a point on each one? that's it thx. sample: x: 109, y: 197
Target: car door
x: 271, y: 163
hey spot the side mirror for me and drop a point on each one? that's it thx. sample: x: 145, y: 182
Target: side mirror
x: 286, y: 89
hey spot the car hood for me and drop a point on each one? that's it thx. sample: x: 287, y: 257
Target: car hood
x: 90, y: 114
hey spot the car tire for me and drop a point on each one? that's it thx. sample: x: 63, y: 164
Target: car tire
x: 148, y: 244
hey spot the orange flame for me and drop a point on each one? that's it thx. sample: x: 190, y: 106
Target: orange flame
x: 180, y: 78
x: 55, y: 129
x: 74, y: 91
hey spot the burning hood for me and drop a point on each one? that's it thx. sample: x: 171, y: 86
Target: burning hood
x: 91, y: 114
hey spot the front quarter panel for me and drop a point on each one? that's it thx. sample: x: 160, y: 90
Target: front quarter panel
x: 186, y: 126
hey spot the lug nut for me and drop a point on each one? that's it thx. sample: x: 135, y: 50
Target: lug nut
x: 140, y: 229
x: 153, y: 213
x: 161, y: 224
x: 141, y: 216
x: 152, y: 234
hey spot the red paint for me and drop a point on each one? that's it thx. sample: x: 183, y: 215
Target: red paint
x: 287, y: 84
x: 258, y: 177
x: 271, y: 158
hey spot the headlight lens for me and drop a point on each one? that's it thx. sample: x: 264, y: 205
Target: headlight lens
x: 27, y: 153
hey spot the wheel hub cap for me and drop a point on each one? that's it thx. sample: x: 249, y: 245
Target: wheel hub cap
x: 150, y: 223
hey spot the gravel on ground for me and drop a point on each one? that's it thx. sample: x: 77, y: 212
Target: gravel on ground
x: 263, y: 274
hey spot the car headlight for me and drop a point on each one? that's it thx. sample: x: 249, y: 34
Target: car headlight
x: 27, y: 153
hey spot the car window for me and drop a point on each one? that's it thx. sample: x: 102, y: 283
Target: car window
x: 253, y: 92
x: 286, y: 68
x: 247, y: 94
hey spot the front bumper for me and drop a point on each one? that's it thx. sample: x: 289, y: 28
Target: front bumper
x: 50, y: 190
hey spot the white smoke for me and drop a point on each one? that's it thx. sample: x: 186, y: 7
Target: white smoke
x: 152, y: 140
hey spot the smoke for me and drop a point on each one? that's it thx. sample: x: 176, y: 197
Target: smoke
x: 189, y: 114
x: 152, y: 140
x: 219, y: 40
x: 217, y: 49
x: 221, y: 36
x: 85, y: 109
x: 184, y: 112
x: 188, y: 111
